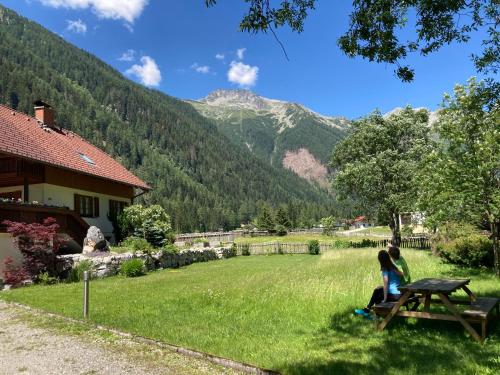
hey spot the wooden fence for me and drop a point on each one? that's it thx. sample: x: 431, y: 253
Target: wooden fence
x: 421, y: 243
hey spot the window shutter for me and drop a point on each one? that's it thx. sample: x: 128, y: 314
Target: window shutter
x: 77, y: 204
x: 96, y: 207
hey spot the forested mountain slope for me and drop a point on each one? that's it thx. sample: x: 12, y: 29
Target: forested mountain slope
x: 199, y: 176
x: 281, y: 133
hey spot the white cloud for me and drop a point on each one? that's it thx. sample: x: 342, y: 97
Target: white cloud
x: 127, y: 10
x: 77, y: 26
x: 204, y: 69
x: 128, y: 55
x: 240, y: 52
x: 148, y: 73
x: 219, y: 56
x: 242, y: 74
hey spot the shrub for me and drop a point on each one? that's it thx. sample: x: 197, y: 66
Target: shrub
x: 170, y: 249
x: 151, y: 223
x: 38, y: 243
x: 234, y: 250
x: 76, y: 273
x: 137, y: 244
x: 280, y: 249
x: 280, y: 230
x: 471, y: 251
x: 314, y: 247
x: 12, y: 275
x: 245, y: 249
x: 340, y: 243
x: 132, y: 268
x: 45, y: 279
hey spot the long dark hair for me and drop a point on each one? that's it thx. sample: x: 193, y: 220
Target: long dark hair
x: 385, y: 261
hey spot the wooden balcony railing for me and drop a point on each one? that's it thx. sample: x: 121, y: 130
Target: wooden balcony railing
x: 69, y: 221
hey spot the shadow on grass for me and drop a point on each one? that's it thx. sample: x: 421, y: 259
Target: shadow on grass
x: 406, y: 346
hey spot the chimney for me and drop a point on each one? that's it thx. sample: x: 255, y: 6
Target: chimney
x: 44, y: 113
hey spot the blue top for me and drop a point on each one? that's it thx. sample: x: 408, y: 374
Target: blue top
x: 394, y: 281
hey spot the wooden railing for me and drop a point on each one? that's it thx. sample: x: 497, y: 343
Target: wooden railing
x: 69, y: 221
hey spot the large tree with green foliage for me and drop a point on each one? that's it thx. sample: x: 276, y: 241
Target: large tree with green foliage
x: 376, y: 164
x: 379, y: 29
x: 460, y: 179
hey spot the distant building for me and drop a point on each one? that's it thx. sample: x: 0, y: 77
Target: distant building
x: 48, y: 171
x: 414, y: 220
x: 361, y: 222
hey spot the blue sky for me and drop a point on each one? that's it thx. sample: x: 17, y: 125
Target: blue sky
x: 186, y: 50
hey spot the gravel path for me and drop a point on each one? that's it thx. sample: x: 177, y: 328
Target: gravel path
x: 33, y: 344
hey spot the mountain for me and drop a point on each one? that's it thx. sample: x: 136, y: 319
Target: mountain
x: 199, y: 175
x: 285, y: 135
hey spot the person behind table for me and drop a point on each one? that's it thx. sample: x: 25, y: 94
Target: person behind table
x: 400, y: 263
x: 392, y: 280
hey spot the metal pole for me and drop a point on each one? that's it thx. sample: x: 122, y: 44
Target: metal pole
x: 86, y: 294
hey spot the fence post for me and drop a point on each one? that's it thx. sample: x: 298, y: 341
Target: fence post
x: 86, y: 294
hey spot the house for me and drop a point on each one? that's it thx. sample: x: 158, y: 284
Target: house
x: 48, y: 171
x: 413, y: 220
x: 360, y: 222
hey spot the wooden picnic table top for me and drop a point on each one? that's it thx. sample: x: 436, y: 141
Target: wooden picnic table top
x: 445, y: 286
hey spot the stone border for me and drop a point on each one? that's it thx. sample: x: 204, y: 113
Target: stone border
x: 226, y: 362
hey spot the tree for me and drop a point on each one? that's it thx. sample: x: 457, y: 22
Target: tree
x: 375, y: 25
x: 329, y: 224
x: 265, y: 219
x: 377, y: 162
x: 460, y: 179
x: 282, y: 218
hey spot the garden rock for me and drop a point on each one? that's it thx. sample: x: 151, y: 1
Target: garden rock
x: 95, y: 241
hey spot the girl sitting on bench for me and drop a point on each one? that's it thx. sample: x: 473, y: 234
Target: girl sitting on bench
x: 392, y: 280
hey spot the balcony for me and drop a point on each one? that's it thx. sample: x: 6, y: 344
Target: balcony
x: 69, y: 221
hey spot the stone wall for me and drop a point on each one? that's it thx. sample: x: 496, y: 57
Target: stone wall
x: 108, y: 264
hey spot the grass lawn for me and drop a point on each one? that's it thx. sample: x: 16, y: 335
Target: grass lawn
x: 291, y: 313
x: 377, y: 230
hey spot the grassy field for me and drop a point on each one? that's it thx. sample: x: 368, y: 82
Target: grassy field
x: 291, y: 313
x: 301, y: 238
x: 377, y: 230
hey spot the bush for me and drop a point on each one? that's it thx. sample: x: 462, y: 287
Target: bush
x: 151, y: 223
x: 45, y: 279
x: 245, y: 249
x: 314, y: 247
x: 14, y: 276
x: 170, y: 249
x: 280, y: 230
x: 76, y: 273
x: 38, y: 243
x: 471, y: 251
x: 234, y: 250
x: 137, y: 244
x: 132, y: 268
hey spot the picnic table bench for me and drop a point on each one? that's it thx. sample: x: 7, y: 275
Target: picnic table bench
x: 477, y: 310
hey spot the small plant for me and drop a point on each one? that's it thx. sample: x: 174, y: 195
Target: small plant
x: 280, y: 249
x: 132, y: 268
x: 76, y: 273
x: 45, y: 279
x: 170, y: 249
x: 280, y: 230
x: 314, y: 247
x: 137, y: 244
x: 245, y: 249
x: 234, y: 250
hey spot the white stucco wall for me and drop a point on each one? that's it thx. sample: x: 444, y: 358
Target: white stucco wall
x: 8, y: 250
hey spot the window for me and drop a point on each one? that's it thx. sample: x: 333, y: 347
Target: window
x: 86, y: 158
x: 116, y: 207
x: 87, y: 206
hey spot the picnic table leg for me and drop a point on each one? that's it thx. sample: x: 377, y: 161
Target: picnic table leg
x: 427, y: 302
x: 394, y: 311
x: 456, y: 313
x: 472, y: 296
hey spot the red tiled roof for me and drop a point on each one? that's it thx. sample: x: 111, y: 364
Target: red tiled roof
x: 22, y: 135
x: 359, y: 218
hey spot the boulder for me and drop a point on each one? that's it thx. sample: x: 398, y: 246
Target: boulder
x: 95, y: 241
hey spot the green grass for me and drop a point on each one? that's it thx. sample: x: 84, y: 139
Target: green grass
x: 291, y: 313
x: 300, y: 238
x: 377, y: 230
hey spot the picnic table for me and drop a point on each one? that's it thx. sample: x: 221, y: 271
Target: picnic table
x: 421, y: 291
